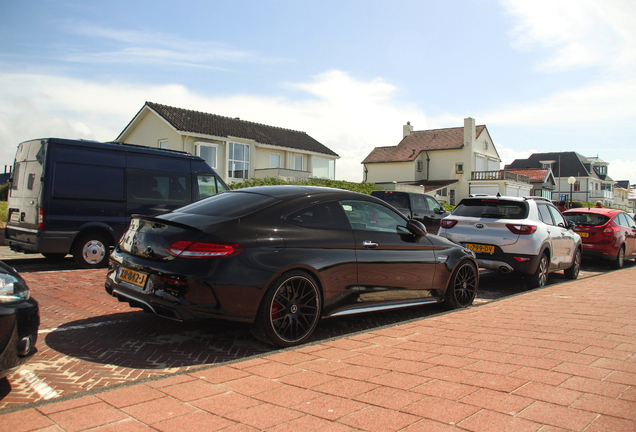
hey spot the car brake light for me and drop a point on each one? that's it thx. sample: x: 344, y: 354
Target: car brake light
x: 41, y: 219
x: 192, y: 249
x: 610, y: 231
x: 448, y: 223
x: 521, y: 229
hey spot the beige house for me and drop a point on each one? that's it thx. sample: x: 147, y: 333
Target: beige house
x: 621, y: 195
x: 235, y: 148
x: 449, y: 163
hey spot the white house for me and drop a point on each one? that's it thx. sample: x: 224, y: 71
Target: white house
x: 451, y: 163
x: 235, y: 148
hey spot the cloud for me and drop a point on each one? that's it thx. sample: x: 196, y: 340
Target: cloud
x: 578, y: 33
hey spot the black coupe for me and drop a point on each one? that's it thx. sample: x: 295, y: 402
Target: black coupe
x: 282, y: 257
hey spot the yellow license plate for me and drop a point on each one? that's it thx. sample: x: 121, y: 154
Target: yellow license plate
x: 131, y: 276
x: 584, y: 234
x: 480, y: 248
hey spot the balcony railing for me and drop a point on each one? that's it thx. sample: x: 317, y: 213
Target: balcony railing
x: 499, y: 175
x: 601, y: 194
x: 281, y: 173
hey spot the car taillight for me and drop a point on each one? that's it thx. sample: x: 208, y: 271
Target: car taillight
x: 521, y: 229
x: 610, y: 231
x: 448, y: 223
x: 41, y: 219
x: 194, y: 249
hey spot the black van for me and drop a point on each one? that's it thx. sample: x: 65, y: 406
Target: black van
x: 423, y: 208
x: 70, y: 196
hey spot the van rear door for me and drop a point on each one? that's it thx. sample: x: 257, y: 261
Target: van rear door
x: 25, y: 190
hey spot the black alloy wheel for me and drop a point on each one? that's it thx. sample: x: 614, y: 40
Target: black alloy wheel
x: 573, y: 272
x: 462, y: 287
x: 540, y: 277
x: 289, y: 312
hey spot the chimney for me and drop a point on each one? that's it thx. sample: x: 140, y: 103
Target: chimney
x: 407, y: 129
x: 469, y: 131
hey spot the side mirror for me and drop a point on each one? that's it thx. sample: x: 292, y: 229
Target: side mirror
x: 416, y: 228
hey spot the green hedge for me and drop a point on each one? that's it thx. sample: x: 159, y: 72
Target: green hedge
x: 365, y: 188
x: 4, y: 191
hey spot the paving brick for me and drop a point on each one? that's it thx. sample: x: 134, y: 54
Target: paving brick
x: 225, y: 403
x: 390, y: 398
x: 608, y: 406
x: 548, y: 393
x: 379, y: 419
x: 492, y: 421
x: 310, y: 423
x: 329, y: 407
x: 445, y: 389
x: 605, y: 423
x: 287, y: 396
x: 502, y: 402
x: 441, y: 410
x: 86, y: 417
x: 158, y: 410
x: 198, y: 421
x: 192, y: 390
x: 399, y: 380
x: 307, y: 379
x: 130, y: 395
x: 263, y: 416
x: 495, y: 382
x: 24, y: 421
x: 345, y: 388
x: 555, y: 415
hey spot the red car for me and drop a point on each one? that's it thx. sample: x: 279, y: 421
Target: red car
x: 606, y: 233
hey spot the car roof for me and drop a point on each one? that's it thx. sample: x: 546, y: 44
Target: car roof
x: 504, y: 198
x: 595, y: 210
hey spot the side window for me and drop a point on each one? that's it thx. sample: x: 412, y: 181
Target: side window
x: 418, y: 203
x: 556, y: 215
x: 630, y: 222
x: 544, y: 214
x: 622, y: 220
x: 433, y: 205
x: 144, y: 186
x: 320, y: 216
x: 369, y: 216
x: 209, y: 185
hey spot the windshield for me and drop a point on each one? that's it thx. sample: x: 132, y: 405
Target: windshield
x: 587, y: 219
x: 492, y: 208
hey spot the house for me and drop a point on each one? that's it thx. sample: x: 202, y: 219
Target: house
x: 235, y: 148
x: 589, y: 176
x: 450, y: 163
x: 621, y: 195
x: 541, y: 179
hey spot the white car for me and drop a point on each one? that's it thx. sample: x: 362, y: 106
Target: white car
x: 528, y: 235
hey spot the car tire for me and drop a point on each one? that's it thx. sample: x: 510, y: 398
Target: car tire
x: 573, y: 272
x: 54, y: 256
x: 92, y: 251
x: 620, y: 259
x: 540, y: 277
x: 289, y: 311
x: 462, y: 286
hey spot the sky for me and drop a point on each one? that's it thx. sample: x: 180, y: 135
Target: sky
x: 543, y: 76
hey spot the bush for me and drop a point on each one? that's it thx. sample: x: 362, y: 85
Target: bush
x: 365, y: 188
x: 4, y: 191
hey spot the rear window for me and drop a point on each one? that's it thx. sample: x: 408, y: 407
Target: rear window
x: 587, y: 219
x: 230, y: 204
x: 495, y: 209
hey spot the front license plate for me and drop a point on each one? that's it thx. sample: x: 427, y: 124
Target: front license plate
x: 480, y: 248
x: 131, y: 276
x: 584, y: 234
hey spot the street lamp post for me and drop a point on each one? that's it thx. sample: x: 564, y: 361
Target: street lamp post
x: 571, y: 181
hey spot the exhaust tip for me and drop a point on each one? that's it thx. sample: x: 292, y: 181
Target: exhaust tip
x: 505, y: 269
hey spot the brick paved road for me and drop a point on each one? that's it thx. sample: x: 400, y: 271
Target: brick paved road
x: 88, y: 340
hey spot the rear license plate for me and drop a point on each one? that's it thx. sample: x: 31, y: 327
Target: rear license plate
x: 480, y: 248
x: 132, y: 277
x: 584, y: 234
x: 15, y: 216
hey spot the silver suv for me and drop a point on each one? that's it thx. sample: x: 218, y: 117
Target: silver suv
x: 528, y: 235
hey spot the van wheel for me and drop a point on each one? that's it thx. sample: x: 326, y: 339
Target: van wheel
x: 289, y: 312
x: 54, y: 256
x: 92, y: 251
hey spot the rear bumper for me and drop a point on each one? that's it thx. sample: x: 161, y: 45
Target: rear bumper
x: 33, y: 241
x: 606, y: 255
x: 506, y: 263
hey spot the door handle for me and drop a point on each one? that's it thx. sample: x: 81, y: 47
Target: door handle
x: 369, y: 244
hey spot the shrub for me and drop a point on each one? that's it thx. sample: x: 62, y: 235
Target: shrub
x: 4, y: 191
x: 365, y: 188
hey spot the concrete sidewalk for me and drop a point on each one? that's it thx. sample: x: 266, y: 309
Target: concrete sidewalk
x: 558, y: 358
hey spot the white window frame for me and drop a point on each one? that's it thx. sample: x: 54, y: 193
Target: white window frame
x: 271, y: 155
x: 420, y: 166
x: 198, y: 146
x: 301, y: 162
x: 163, y: 144
x: 459, y: 168
x: 246, y: 160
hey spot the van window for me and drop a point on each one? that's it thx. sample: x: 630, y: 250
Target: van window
x: 209, y: 186
x: 145, y: 186
x: 91, y: 182
x: 26, y: 179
